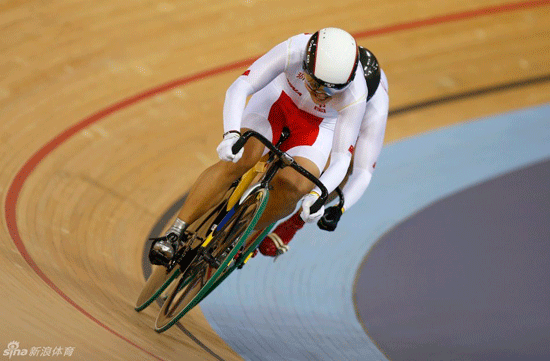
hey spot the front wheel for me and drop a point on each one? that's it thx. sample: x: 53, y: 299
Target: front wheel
x: 156, y: 283
x: 161, y: 277
x: 201, y: 275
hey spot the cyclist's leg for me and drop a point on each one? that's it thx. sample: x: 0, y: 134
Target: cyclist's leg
x: 213, y: 260
x: 288, y: 187
x: 276, y: 242
x: 209, y: 188
x: 311, y: 154
x: 206, y: 191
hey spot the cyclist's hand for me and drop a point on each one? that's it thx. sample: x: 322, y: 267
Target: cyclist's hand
x: 224, y: 149
x: 329, y: 220
x: 307, y: 202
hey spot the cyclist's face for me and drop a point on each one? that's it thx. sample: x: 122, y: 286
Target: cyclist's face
x: 318, y: 95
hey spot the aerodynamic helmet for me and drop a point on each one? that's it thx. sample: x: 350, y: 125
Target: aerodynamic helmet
x: 331, y: 58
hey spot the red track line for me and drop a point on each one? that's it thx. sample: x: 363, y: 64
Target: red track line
x: 22, y: 175
x: 469, y: 14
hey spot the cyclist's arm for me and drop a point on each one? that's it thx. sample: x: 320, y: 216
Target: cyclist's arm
x: 257, y: 76
x: 369, y: 146
x: 345, y: 136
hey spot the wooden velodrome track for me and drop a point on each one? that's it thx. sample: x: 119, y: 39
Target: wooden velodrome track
x: 110, y: 109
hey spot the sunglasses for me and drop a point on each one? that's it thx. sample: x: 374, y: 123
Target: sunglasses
x: 321, y: 92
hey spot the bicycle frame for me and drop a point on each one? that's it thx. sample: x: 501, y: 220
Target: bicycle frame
x: 222, y: 258
x: 277, y: 160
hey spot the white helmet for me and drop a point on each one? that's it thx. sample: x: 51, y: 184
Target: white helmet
x: 331, y: 58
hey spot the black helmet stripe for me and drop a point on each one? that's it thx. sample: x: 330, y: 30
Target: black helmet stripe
x: 311, y: 53
x: 352, y: 74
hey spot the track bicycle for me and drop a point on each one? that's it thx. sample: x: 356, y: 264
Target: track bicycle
x: 222, y: 240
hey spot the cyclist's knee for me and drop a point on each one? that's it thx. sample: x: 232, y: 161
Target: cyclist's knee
x: 235, y: 170
x: 294, y: 185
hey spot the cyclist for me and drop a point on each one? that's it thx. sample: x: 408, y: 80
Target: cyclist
x: 367, y: 150
x: 307, y: 83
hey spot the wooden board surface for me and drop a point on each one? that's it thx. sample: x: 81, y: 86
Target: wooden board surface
x: 93, y: 149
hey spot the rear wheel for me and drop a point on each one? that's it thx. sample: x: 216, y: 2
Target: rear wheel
x: 201, y: 275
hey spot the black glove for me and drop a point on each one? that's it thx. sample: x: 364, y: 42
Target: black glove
x: 329, y: 220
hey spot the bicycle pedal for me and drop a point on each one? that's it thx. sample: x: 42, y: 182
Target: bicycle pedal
x: 160, y: 254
